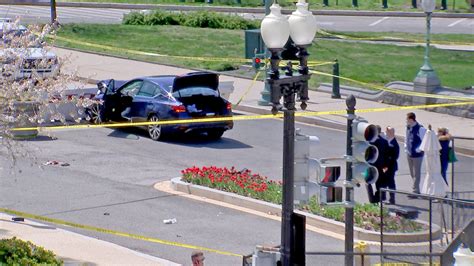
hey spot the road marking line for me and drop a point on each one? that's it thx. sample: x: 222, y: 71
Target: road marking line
x: 378, y: 21
x: 326, y: 23
x: 456, y: 22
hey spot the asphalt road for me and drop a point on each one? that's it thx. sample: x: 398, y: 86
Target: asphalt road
x: 31, y: 14
x: 112, y: 172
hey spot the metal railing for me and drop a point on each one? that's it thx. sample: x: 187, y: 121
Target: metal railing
x: 440, y: 235
x: 462, y: 210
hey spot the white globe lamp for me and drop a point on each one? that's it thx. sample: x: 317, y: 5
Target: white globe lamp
x: 302, y: 25
x: 275, y: 28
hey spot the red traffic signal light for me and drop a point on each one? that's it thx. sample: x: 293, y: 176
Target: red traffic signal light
x: 257, y: 60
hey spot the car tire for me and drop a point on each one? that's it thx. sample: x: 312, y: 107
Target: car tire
x: 215, y: 134
x: 94, y: 114
x: 155, y: 131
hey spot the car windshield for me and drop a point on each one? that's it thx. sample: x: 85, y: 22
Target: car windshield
x: 191, y: 91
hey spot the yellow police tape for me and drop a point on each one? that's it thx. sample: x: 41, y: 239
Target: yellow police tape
x: 389, y: 39
x: 248, y: 88
x: 395, y: 91
x: 130, y: 51
x: 406, y: 264
x: 113, y: 232
x: 241, y: 117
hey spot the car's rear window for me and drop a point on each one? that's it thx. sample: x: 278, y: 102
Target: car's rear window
x: 194, y: 91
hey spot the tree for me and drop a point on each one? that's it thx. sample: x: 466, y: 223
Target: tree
x: 32, y: 85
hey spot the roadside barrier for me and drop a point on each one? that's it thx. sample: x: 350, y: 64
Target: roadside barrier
x: 239, y: 118
x: 116, y: 233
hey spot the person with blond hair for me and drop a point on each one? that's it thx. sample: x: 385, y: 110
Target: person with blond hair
x: 444, y: 139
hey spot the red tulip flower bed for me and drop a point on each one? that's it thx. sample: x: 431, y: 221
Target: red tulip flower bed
x: 240, y: 182
x: 256, y: 186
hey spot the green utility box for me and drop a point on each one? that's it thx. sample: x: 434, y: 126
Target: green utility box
x: 253, y: 40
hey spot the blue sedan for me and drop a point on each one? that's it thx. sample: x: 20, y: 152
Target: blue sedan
x: 160, y: 98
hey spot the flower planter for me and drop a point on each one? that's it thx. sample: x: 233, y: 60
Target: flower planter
x: 311, y: 219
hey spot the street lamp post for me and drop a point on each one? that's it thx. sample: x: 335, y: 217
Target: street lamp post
x: 276, y: 30
x: 265, y: 94
x: 426, y: 80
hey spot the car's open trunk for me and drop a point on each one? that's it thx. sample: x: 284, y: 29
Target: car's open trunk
x: 200, y: 105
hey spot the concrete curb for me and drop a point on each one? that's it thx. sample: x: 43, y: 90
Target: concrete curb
x: 241, y: 9
x: 313, y: 220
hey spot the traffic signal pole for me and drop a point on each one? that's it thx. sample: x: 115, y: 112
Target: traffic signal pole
x: 349, y: 211
x: 53, y: 11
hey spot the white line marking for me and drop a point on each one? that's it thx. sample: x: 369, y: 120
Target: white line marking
x: 326, y: 23
x: 378, y: 21
x: 456, y: 22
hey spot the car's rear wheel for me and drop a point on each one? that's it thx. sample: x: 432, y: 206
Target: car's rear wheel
x: 94, y: 115
x: 215, y: 134
x: 154, y: 131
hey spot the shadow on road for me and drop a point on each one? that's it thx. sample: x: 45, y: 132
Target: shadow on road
x: 190, y: 140
x: 39, y: 138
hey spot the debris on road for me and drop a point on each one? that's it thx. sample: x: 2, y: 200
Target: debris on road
x: 170, y: 221
x: 54, y: 162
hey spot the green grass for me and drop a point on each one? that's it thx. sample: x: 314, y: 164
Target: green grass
x: 374, y: 63
x: 460, y: 5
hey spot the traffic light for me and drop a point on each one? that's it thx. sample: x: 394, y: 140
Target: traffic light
x: 327, y: 176
x: 363, y: 153
x: 258, y: 62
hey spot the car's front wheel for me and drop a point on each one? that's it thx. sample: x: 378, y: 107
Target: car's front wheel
x: 155, y: 131
x: 94, y: 114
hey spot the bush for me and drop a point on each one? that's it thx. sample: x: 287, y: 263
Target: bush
x: 18, y: 252
x: 200, y: 19
x: 134, y: 18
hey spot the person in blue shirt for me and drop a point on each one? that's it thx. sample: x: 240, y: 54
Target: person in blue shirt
x: 414, y: 135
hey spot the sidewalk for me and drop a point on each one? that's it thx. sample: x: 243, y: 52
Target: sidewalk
x: 99, y: 67
x: 73, y: 248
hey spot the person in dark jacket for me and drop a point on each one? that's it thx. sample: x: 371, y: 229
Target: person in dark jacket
x: 393, y: 152
x: 444, y: 139
x: 382, y: 146
x: 414, y: 135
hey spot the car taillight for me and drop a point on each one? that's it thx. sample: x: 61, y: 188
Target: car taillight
x: 178, y: 108
x: 229, y: 106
